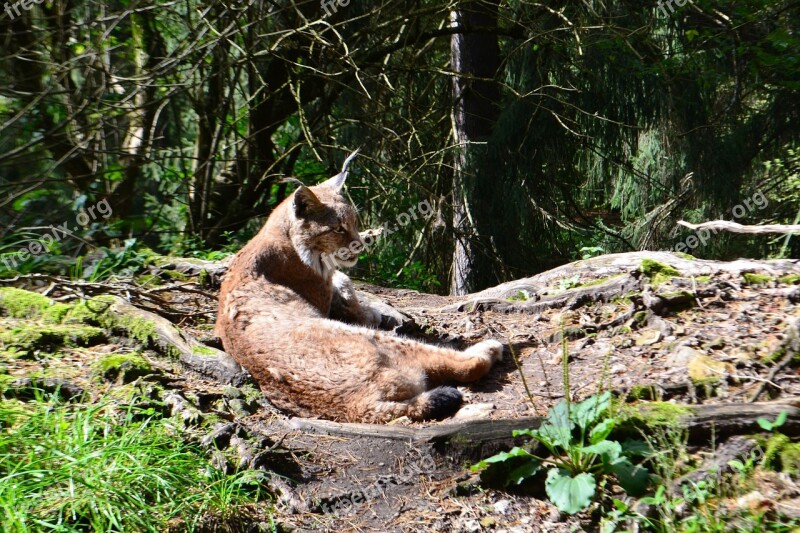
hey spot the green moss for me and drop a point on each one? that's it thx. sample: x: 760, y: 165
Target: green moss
x: 690, y: 257
x: 772, y: 449
x: 640, y: 317
x: 137, y: 328
x: 751, y: 278
x: 251, y: 393
x: 791, y: 279
x: 676, y: 295
x: 642, y: 392
x: 203, y: 350
x: 149, y: 280
x: 521, y: 296
x: 790, y: 458
x: 703, y: 279
x: 125, y: 367
x: 652, y: 268
x: 28, y: 338
x: 600, y: 281
x: 175, y: 275
x: 20, y: 303
x: 664, y: 414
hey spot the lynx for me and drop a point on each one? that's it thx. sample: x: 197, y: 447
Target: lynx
x: 289, y: 317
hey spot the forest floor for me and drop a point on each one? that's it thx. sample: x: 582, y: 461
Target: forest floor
x: 653, y: 329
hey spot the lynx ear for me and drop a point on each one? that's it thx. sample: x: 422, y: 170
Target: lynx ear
x: 337, y: 182
x: 304, y: 201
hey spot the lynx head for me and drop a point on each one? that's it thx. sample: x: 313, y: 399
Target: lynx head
x: 324, y: 227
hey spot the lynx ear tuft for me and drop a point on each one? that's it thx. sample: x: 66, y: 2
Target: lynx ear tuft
x: 304, y: 201
x: 337, y: 182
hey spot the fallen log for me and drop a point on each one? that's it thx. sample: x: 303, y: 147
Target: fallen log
x: 602, y: 278
x: 703, y: 423
x: 733, y: 227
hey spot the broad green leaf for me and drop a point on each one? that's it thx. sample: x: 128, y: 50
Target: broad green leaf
x: 590, y: 410
x: 765, y: 424
x: 570, y: 494
x: 636, y: 447
x: 781, y: 420
x: 557, y: 429
x: 633, y: 478
x: 602, y: 430
x: 520, y: 474
x: 501, y: 457
x: 609, y: 449
x: 620, y: 505
x: 521, y: 432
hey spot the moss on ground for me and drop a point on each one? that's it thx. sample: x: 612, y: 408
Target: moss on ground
x: 751, y: 278
x: 19, y: 303
x: 790, y: 279
x: 790, y: 458
x: 657, y: 272
x: 204, y: 350
x: 28, y: 338
x: 655, y: 414
x: 123, y: 367
x: 99, y: 310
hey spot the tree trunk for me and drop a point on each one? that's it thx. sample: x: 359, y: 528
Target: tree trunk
x: 475, y: 58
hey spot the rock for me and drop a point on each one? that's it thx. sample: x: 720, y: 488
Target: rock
x: 648, y: 337
x: 704, y: 368
x: 474, y: 411
x: 681, y: 357
x: 501, y: 506
x: 619, y: 368
x: 27, y: 389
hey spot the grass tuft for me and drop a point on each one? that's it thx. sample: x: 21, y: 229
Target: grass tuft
x: 96, y: 468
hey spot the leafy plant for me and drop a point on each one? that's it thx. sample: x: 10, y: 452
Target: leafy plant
x: 580, y: 454
x: 780, y: 420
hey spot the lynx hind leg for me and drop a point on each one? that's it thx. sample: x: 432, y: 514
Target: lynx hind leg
x: 435, y: 404
x: 443, y: 365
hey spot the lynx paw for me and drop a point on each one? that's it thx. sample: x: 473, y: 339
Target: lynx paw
x: 491, y: 348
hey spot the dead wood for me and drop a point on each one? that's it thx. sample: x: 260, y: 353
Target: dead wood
x: 733, y: 227
x: 702, y: 422
x: 168, y: 340
x: 601, y: 279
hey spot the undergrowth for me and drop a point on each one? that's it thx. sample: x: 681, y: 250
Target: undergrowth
x: 98, y: 468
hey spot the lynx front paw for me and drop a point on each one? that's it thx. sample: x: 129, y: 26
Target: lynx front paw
x: 491, y: 348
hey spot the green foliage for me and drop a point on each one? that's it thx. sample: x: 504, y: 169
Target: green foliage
x: 77, y: 468
x: 580, y: 454
x: 125, y: 261
x: 780, y: 420
x: 657, y: 272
